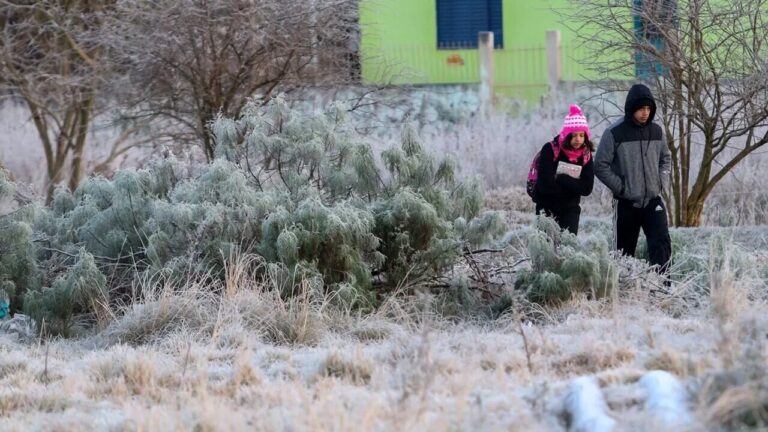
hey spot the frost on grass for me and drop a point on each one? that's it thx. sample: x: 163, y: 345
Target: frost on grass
x: 355, y: 370
x: 417, y: 371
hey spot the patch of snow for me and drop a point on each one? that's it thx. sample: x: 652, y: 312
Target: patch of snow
x: 586, y: 406
x: 666, y: 399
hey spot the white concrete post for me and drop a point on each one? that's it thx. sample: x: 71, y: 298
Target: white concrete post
x: 554, y: 60
x: 485, y: 48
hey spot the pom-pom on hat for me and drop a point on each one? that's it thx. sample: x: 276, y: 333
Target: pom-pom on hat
x: 574, y: 122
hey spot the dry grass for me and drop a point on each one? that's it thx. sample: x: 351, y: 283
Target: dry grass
x: 355, y: 370
x: 158, y: 309
x: 678, y: 363
x: 297, y: 321
x: 740, y: 407
x: 372, y: 374
x: 243, y: 371
x: 372, y: 330
x: 11, y: 366
x: 594, y: 360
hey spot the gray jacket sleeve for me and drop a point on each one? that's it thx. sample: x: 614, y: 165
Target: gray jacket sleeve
x: 665, y: 164
x: 603, y: 160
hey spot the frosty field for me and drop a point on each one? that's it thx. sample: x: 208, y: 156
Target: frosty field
x: 467, y: 354
x: 248, y: 360
x: 275, y: 215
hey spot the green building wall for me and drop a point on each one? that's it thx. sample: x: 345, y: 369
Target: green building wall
x: 399, y: 46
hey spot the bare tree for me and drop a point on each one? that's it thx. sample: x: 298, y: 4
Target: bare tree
x: 49, y: 62
x: 706, y: 60
x: 186, y: 61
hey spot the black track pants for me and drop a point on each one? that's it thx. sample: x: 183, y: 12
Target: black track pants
x: 627, y: 221
x: 567, y: 218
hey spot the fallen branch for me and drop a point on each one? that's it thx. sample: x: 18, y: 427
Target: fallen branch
x: 482, y: 251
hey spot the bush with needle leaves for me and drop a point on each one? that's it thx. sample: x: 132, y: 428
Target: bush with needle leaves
x: 302, y: 190
x: 18, y: 264
x: 79, y: 293
x: 352, y: 219
x: 562, y: 265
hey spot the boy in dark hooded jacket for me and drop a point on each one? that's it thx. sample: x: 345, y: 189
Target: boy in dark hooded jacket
x: 633, y: 160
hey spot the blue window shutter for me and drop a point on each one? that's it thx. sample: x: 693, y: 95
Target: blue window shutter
x: 495, y: 22
x: 648, y: 33
x: 459, y: 22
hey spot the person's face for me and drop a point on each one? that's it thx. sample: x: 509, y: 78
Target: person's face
x: 578, y: 139
x: 642, y: 114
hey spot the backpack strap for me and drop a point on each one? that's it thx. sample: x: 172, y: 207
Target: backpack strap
x: 555, y: 148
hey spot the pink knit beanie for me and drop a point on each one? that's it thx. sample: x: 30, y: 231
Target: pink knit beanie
x: 574, y: 122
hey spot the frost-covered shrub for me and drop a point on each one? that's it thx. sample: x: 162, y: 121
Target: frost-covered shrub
x: 763, y: 273
x: 442, y: 106
x: 458, y: 299
x: 700, y: 253
x: 723, y: 251
x: 208, y: 219
x: 562, y: 264
x: 81, y: 290
x: 7, y: 188
x: 304, y: 191
x: 111, y: 221
x: 18, y: 265
x: 687, y: 255
x: 351, y: 218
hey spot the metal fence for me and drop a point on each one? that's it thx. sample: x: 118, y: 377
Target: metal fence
x: 576, y: 61
x: 428, y: 65
x: 517, y: 70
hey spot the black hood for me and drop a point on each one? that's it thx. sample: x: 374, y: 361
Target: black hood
x: 639, y: 95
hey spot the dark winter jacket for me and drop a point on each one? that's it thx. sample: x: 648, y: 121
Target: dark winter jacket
x: 633, y: 160
x: 561, y: 191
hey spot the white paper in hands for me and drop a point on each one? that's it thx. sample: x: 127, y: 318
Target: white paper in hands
x: 568, y: 169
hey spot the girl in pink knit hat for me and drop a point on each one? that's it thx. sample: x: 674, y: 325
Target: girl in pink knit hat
x: 565, y: 172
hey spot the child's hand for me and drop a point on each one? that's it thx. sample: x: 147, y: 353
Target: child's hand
x: 569, y: 174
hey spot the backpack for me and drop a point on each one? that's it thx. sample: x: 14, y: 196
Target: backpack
x: 533, y: 172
